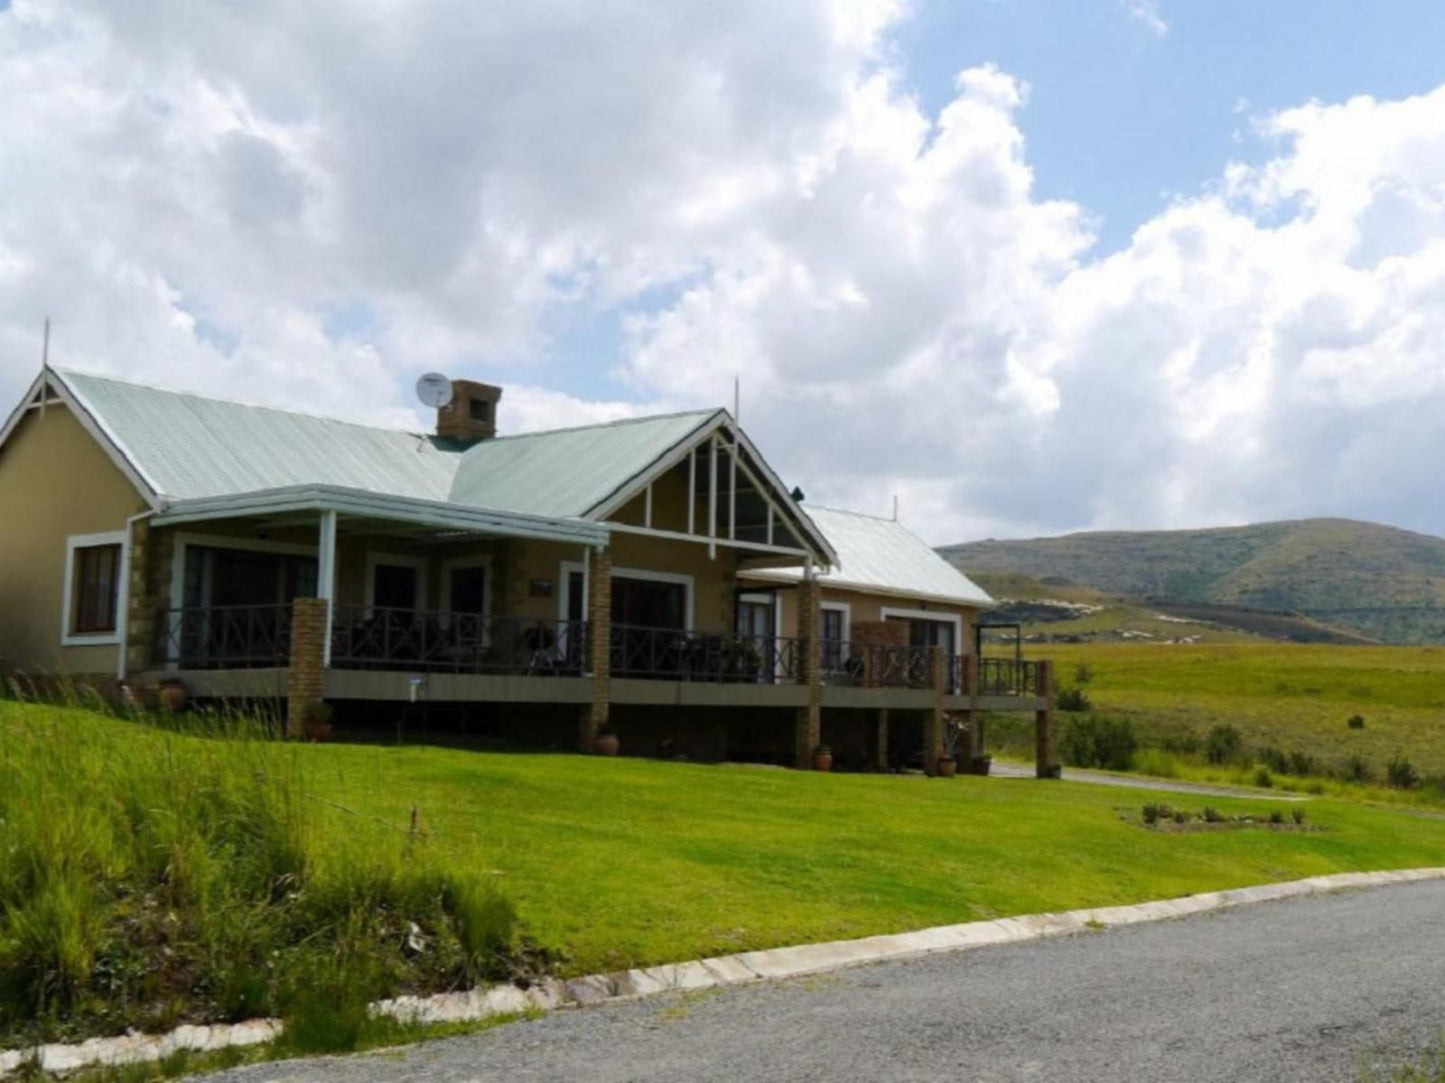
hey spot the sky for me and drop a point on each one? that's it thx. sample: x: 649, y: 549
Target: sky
x: 1030, y: 266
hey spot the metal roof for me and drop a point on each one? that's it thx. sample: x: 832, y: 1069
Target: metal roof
x: 189, y: 447
x: 569, y: 471
x: 883, y: 556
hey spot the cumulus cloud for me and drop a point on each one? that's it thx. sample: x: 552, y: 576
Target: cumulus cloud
x: 1146, y: 13
x: 310, y: 204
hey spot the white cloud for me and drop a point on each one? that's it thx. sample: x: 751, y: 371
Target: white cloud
x: 313, y: 203
x: 1146, y: 13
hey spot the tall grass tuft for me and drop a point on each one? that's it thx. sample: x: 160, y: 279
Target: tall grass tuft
x: 150, y: 876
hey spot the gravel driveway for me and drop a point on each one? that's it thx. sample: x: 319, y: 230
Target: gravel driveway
x: 1299, y: 990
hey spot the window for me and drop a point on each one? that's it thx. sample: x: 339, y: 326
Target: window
x: 395, y: 582
x: 468, y: 593
x: 93, y: 594
x: 649, y: 603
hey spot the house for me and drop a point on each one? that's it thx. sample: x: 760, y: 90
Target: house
x: 539, y: 585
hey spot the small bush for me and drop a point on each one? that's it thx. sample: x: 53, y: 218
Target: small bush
x: 1152, y: 813
x: 1356, y: 722
x: 1401, y: 773
x: 1212, y: 815
x: 1355, y: 769
x: 1298, y: 813
x: 1225, y: 744
x: 1302, y: 764
x: 1263, y: 778
x: 1072, y: 699
x: 1276, y: 817
x: 1083, y: 674
x: 1098, y: 741
x: 1153, y: 761
x: 1180, y: 816
x: 1273, y: 758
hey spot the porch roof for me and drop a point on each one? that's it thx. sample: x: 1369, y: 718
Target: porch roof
x: 360, y: 504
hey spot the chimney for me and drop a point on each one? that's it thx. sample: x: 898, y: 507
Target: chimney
x: 471, y: 416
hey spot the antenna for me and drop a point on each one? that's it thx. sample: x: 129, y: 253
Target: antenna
x: 895, y: 507
x: 45, y: 346
x: 434, y: 390
x: 737, y: 399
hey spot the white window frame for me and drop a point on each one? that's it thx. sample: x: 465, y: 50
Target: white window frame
x: 686, y: 581
x: 444, y: 602
x: 564, y: 570
x: 846, y: 608
x: 399, y: 560
x: 70, y: 638
x: 933, y: 615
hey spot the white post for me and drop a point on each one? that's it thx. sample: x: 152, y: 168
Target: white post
x: 692, y: 492
x: 647, y: 513
x: 733, y: 491
x: 712, y: 502
x: 326, y: 576
x: 770, y: 522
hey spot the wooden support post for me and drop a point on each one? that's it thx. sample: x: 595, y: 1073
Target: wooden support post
x: 880, y: 753
x: 599, y: 647
x: 808, y: 729
x: 933, y: 718
x: 1044, y: 763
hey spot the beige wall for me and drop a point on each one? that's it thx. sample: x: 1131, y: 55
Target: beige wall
x: 869, y: 607
x: 55, y: 480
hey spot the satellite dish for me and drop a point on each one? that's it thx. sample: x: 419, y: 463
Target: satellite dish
x: 434, y: 390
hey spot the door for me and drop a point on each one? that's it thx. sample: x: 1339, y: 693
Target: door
x: 757, y: 642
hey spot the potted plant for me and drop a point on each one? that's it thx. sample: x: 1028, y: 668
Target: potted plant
x: 953, y: 729
x: 980, y: 765
x: 822, y: 758
x: 606, y: 743
x: 316, y: 725
x: 172, y: 694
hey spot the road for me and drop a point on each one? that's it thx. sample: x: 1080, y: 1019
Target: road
x: 1299, y: 990
x: 1008, y: 769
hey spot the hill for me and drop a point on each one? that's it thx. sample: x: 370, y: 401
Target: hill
x: 1378, y: 581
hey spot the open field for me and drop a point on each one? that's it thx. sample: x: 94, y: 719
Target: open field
x: 1286, y: 696
x: 621, y: 862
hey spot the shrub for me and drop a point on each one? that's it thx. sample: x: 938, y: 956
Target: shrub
x: 1273, y: 758
x: 1302, y: 763
x: 1276, y: 817
x: 1298, y: 813
x: 1099, y: 741
x: 1083, y: 674
x: 1401, y: 773
x: 1153, y: 761
x: 1355, y: 769
x: 1072, y: 699
x: 1212, y: 815
x: 1152, y: 813
x: 1263, y: 778
x: 1180, y: 816
x: 1225, y: 744
x: 1356, y: 722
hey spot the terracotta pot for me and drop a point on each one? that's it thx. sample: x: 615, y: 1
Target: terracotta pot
x: 822, y: 761
x: 317, y: 731
x: 947, y: 767
x: 980, y: 765
x: 606, y: 744
x: 173, y: 695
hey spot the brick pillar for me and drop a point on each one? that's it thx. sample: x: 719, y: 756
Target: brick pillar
x: 305, y: 680
x: 880, y: 754
x: 599, y: 647
x: 1044, y: 763
x: 933, y: 720
x: 808, y: 729
x: 140, y: 626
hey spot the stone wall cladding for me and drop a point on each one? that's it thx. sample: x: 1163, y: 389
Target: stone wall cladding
x: 599, y: 646
x: 305, y: 680
x: 808, y: 730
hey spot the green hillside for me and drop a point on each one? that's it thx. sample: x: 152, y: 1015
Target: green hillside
x: 1378, y: 581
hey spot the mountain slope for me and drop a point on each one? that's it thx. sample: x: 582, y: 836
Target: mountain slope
x: 1379, y: 581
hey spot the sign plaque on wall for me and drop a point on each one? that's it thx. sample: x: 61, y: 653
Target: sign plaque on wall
x: 540, y: 588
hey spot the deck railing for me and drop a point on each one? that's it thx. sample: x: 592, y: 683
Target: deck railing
x: 375, y: 637
x: 877, y: 665
x: 1008, y: 677
x: 224, y: 637
x: 669, y: 654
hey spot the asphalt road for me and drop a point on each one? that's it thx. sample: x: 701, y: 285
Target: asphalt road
x: 1309, y: 989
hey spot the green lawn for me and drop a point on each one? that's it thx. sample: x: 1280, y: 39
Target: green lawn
x: 627, y: 862
x: 1286, y: 695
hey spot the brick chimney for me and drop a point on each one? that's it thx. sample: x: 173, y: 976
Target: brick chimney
x: 471, y: 416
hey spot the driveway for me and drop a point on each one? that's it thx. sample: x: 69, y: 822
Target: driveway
x: 1299, y: 990
x: 1010, y: 769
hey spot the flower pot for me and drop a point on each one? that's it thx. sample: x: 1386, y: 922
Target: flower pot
x: 173, y: 695
x: 606, y: 744
x: 980, y: 765
x: 822, y: 761
x: 317, y: 730
x: 947, y: 767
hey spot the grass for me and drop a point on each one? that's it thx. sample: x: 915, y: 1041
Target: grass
x: 1286, y: 696
x: 149, y: 877
x: 159, y: 873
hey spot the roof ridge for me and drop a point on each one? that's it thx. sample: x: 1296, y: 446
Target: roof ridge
x: 68, y: 371
x: 856, y: 514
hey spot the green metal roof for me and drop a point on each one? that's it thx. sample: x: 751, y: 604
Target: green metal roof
x: 569, y: 471
x: 189, y: 447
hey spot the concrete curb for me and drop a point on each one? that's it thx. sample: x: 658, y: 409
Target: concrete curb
x: 772, y: 965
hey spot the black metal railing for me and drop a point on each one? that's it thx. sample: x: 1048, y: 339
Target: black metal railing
x: 374, y: 637
x: 877, y: 665
x: 224, y: 637
x: 1008, y: 677
x: 669, y: 654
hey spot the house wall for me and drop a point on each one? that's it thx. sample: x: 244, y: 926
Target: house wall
x: 55, y: 480
x: 870, y: 607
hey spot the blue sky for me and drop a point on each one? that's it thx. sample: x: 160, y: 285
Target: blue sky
x: 1121, y: 118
